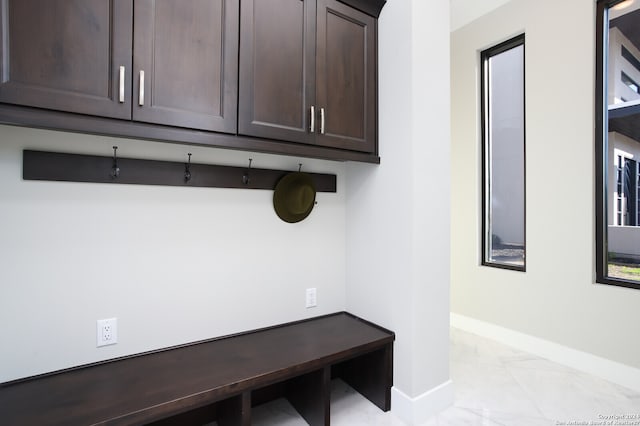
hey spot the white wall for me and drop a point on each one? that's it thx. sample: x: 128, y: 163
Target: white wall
x: 556, y: 299
x: 398, y: 212
x: 174, y: 265
x: 465, y: 11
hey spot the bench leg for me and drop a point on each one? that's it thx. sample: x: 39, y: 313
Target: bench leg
x: 236, y: 411
x: 371, y: 375
x: 310, y: 396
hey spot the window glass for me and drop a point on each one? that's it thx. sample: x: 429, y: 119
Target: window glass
x: 503, y: 123
x: 628, y: 81
x: 618, y: 143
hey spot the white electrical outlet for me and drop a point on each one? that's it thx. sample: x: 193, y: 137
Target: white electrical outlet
x: 107, y: 332
x: 311, y: 298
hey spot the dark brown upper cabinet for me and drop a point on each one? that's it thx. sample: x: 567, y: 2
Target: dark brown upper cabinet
x: 67, y: 55
x: 290, y: 77
x: 185, y: 59
x: 346, y: 77
x: 277, y: 53
x: 77, y: 56
x: 308, y: 73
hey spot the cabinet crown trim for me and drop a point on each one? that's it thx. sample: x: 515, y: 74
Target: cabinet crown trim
x: 370, y: 7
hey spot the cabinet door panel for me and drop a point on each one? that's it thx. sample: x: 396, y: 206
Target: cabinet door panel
x: 188, y: 51
x: 346, y: 77
x: 277, y: 69
x: 66, y: 55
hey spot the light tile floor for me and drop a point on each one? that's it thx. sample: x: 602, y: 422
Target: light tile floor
x: 494, y: 385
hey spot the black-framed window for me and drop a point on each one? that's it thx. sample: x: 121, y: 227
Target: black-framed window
x: 618, y: 143
x: 503, y: 155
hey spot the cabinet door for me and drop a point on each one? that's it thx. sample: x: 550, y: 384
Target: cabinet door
x: 186, y: 63
x: 67, y: 55
x: 346, y: 77
x: 277, y: 50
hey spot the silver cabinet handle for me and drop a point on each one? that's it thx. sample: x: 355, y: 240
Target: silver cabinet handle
x: 312, y: 126
x: 121, y: 89
x: 141, y: 92
x: 322, y: 121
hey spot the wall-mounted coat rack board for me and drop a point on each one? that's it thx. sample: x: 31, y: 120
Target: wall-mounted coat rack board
x: 55, y: 166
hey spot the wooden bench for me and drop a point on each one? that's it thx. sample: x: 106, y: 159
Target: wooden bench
x: 214, y: 380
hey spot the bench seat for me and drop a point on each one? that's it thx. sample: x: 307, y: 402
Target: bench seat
x: 214, y: 380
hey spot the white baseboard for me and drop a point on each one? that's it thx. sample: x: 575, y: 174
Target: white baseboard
x: 417, y: 410
x: 612, y: 371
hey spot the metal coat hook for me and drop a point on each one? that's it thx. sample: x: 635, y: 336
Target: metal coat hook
x: 187, y: 169
x: 115, y: 170
x: 315, y: 203
x: 245, y: 177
